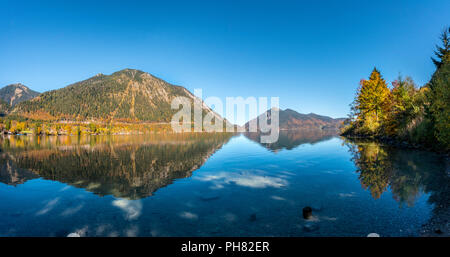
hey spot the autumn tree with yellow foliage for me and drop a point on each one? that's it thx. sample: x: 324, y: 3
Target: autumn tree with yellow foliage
x: 371, y: 104
x: 419, y: 116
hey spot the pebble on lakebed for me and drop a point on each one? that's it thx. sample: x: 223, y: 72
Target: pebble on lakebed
x: 73, y: 235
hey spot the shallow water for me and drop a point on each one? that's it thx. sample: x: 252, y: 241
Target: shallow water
x: 214, y: 185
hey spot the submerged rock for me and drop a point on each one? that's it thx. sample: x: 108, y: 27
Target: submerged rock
x: 307, y: 212
x: 253, y: 217
x: 373, y: 235
x: 438, y: 231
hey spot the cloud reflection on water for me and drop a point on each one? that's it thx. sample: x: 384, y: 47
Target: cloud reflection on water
x: 131, y: 208
x: 48, y: 206
x: 246, y: 179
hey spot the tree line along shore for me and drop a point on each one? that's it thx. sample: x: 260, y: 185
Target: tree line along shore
x: 30, y: 127
x: 404, y: 113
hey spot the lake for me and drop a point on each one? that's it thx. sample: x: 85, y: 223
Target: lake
x: 215, y: 185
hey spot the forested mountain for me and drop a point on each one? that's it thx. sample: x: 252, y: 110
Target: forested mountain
x: 126, y: 95
x: 292, y: 120
x: 16, y: 93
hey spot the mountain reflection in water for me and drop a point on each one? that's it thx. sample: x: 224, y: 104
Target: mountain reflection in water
x: 129, y: 167
x: 289, y: 139
x: 53, y: 186
x: 134, y: 167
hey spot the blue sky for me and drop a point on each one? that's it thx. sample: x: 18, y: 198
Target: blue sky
x: 311, y: 54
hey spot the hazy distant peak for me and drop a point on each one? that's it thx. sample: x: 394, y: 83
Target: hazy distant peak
x: 16, y: 93
x: 292, y: 120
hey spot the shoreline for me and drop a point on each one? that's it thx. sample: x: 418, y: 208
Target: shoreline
x: 396, y: 143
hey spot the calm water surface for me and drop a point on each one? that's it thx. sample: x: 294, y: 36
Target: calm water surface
x: 214, y: 185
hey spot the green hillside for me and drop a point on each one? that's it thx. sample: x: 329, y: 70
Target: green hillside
x: 126, y: 95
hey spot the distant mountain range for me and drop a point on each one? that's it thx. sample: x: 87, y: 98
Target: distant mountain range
x: 16, y: 93
x: 13, y: 94
x: 126, y: 95
x: 292, y: 120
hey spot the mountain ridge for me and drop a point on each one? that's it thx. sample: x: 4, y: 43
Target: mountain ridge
x: 131, y: 95
x: 15, y: 93
x: 293, y: 120
x: 125, y: 95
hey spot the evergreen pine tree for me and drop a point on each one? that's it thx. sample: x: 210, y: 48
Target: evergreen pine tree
x: 442, y: 53
x: 438, y: 111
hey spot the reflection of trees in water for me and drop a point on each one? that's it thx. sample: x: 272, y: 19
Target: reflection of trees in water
x: 374, y: 167
x: 130, y: 168
x: 289, y: 139
x: 407, y: 172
